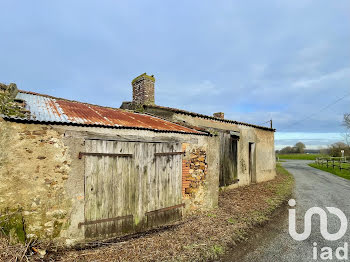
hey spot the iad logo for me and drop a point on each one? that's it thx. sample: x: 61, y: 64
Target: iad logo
x: 326, y: 253
x: 323, y: 223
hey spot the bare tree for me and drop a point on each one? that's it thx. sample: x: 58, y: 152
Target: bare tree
x: 347, y: 124
x: 347, y: 120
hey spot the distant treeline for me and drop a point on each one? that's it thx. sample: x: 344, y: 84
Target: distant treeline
x: 298, y: 148
x: 332, y: 150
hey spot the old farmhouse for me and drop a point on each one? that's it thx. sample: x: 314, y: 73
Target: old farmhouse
x: 72, y: 172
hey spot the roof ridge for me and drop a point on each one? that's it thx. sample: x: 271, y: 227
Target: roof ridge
x: 181, y: 111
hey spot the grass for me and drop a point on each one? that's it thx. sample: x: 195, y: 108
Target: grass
x: 217, y: 250
x: 335, y: 171
x: 299, y: 156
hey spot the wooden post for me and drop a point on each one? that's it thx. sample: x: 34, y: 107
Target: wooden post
x: 271, y: 123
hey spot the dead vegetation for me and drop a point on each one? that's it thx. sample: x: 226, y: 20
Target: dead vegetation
x: 198, y: 237
x: 8, y: 105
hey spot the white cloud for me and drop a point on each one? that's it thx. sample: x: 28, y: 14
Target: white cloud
x: 315, y: 82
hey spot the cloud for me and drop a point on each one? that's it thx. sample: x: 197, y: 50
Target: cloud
x: 341, y: 74
x: 283, y: 60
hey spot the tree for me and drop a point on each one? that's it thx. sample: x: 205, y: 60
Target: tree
x: 286, y: 150
x: 335, y: 149
x: 300, y: 147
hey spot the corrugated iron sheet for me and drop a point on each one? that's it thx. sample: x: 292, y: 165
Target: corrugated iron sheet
x: 49, y: 109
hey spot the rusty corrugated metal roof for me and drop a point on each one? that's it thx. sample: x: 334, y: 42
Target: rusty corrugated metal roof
x: 44, y: 108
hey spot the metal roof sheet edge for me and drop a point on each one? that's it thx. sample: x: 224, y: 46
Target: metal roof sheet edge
x: 185, y: 112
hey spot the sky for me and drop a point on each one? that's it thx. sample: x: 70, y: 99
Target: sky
x: 286, y: 60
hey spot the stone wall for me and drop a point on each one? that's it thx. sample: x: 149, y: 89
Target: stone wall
x: 34, y: 165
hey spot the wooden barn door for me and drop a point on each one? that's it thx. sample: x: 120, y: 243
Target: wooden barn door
x: 228, y: 159
x: 109, y: 187
x: 130, y: 186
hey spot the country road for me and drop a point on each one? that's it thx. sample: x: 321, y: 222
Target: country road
x: 313, y: 188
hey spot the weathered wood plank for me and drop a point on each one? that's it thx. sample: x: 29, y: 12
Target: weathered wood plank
x: 81, y: 154
x: 90, y: 190
x: 169, y: 153
x: 103, y: 220
x: 130, y: 138
x: 152, y: 178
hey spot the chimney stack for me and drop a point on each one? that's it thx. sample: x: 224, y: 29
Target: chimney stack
x: 220, y: 115
x: 143, y: 90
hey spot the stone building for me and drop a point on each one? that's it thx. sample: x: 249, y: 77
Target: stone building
x: 246, y: 151
x: 73, y: 172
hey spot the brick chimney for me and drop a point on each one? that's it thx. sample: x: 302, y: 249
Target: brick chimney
x: 143, y: 90
x: 219, y: 115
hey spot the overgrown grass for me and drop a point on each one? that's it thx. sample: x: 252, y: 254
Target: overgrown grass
x: 335, y: 171
x: 300, y: 156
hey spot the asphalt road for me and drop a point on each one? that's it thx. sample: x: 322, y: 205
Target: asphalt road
x: 314, y: 188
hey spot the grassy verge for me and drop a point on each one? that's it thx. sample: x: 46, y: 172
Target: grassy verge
x: 336, y: 171
x: 199, y: 237
x: 300, y: 156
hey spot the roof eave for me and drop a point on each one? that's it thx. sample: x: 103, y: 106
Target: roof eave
x: 32, y: 121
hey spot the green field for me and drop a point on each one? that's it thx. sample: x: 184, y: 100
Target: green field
x: 299, y: 156
x: 336, y: 171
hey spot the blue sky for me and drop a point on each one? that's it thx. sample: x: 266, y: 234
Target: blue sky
x: 253, y: 60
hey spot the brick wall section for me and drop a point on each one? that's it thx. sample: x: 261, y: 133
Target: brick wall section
x: 185, y: 177
x: 194, y: 172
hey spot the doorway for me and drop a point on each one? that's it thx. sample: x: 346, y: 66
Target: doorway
x: 252, y: 163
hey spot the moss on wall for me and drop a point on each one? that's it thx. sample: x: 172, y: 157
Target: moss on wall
x: 12, y: 225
